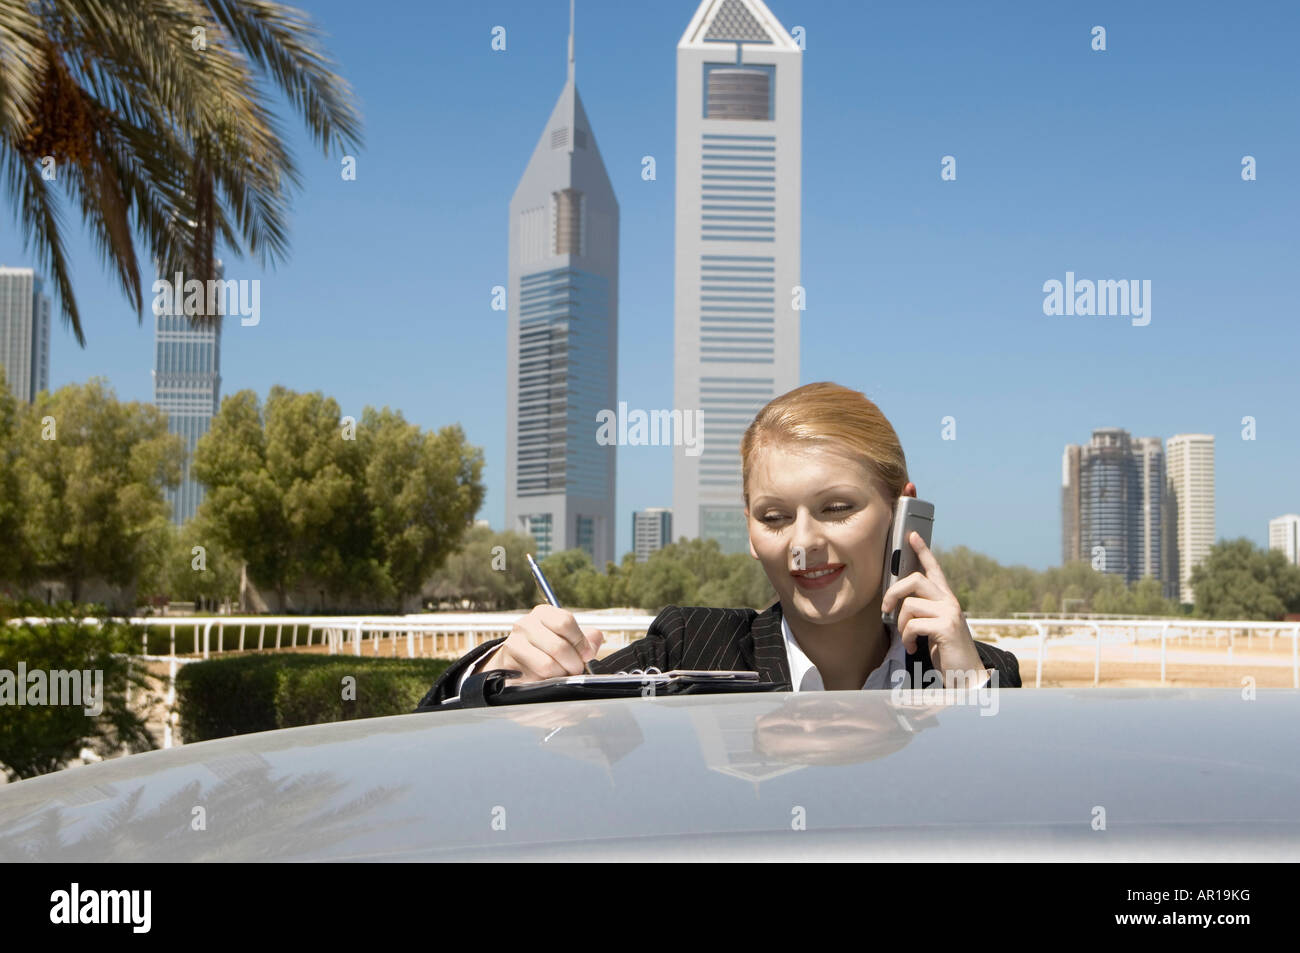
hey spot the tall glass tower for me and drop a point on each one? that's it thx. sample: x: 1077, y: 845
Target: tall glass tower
x: 187, y: 388
x: 736, y: 310
x: 1113, y: 504
x: 563, y: 338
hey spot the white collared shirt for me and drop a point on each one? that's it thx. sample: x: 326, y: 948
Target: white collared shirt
x: 804, y: 676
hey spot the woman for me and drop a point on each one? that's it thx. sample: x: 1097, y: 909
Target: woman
x: 821, y: 469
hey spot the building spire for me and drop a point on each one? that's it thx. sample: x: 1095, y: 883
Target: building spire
x: 571, y: 65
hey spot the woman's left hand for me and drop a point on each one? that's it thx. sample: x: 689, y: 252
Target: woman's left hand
x: 927, y: 606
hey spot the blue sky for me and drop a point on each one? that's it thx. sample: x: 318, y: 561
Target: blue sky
x: 924, y: 294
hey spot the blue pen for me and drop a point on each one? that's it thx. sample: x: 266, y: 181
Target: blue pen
x: 549, y: 593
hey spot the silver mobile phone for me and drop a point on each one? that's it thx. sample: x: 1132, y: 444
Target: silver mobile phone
x: 900, y: 559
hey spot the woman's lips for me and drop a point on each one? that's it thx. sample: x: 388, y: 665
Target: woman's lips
x: 819, y: 582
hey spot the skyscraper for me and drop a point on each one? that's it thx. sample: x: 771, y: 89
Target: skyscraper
x: 652, y: 529
x: 187, y: 388
x: 563, y: 338
x: 1190, y: 486
x: 736, y: 300
x: 24, y: 332
x: 1149, y: 459
x: 1112, y: 504
x: 1071, y: 541
x: 1284, y: 535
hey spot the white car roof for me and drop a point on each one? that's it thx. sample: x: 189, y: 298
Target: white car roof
x: 1171, y: 774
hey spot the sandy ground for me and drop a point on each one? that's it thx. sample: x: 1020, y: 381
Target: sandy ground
x: 1195, y: 664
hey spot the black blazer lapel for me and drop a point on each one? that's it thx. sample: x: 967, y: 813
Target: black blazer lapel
x: 766, y: 647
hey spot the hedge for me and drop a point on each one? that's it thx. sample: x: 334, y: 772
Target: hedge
x: 39, y: 738
x: 235, y: 696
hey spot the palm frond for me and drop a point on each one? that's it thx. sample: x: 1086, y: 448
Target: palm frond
x: 39, y: 210
x: 20, y: 30
x: 283, y: 40
x: 155, y: 138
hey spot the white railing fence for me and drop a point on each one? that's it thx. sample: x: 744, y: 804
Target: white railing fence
x: 1179, y: 634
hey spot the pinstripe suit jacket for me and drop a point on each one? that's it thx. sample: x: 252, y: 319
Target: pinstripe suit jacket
x: 703, y: 637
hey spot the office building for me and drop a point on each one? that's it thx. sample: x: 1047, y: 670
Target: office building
x: 652, y: 529
x: 1284, y: 535
x: 1071, y: 540
x: 24, y: 332
x: 187, y: 388
x: 737, y: 295
x: 562, y: 338
x: 1190, y: 486
x: 1149, y: 460
x: 1112, y: 504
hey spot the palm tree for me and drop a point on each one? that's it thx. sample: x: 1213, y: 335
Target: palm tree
x: 152, y: 117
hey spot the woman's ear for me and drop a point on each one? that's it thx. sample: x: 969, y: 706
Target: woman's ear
x: 909, y: 489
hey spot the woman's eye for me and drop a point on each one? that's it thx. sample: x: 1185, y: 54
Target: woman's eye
x: 836, y: 508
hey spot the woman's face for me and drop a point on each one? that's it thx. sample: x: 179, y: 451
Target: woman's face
x: 824, y: 504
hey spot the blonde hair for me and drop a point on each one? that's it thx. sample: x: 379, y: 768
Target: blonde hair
x: 826, y: 413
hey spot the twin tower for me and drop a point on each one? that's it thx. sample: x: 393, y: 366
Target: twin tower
x: 735, y: 303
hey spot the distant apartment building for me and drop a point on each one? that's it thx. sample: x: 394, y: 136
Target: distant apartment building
x: 1149, y: 458
x: 737, y: 248
x: 562, y: 338
x: 1284, y: 535
x: 24, y: 332
x: 652, y: 529
x: 1112, y: 504
x: 1071, y: 538
x: 187, y: 388
x: 1189, y: 459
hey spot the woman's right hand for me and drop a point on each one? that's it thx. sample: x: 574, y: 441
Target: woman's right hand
x: 546, y: 643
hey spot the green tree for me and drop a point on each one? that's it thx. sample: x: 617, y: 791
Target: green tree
x: 15, y: 560
x: 422, y: 491
x: 157, y: 117
x: 36, y: 739
x: 745, y: 584
x: 1238, y: 580
x: 298, y: 493
x: 1113, y: 597
x: 567, y: 572
x: 489, y: 570
x: 664, y: 581
x: 1148, y: 598
x: 283, y: 490
x: 91, y: 472
x: 186, y: 565
x: 621, y: 578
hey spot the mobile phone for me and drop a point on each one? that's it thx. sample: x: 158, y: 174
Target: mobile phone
x: 900, y: 558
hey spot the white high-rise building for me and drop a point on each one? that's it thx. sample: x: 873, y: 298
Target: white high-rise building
x: 1284, y: 534
x: 24, y: 332
x: 652, y: 529
x: 1189, y: 463
x: 737, y: 298
x: 563, y: 338
x: 1149, y: 461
